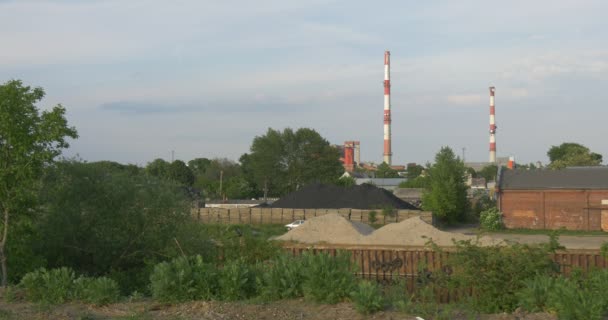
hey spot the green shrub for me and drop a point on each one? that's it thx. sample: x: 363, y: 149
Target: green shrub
x: 98, y: 291
x: 534, y: 297
x: 496, y: 273
x: 585, y: 299
x: 48, y: 286
x: 183, y: 279
x: 327, y: 279
x: 371, y: 216
x: 491, y: 219
x: 282, y: 278
x: 237, y: 281
x: 367, y: 297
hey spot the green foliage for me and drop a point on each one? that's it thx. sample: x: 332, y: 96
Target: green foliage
x: 414, y: 170
x: 48, y: 286
x: 491, y: 219
x: 61, y: 285
x: 180, y: 173
x: 371, y: 216
x: 183, y: 279
x: 237, y: 280
x: 604, y: 250
x: 29, y: 141
x: 534, y: 296
x: 446, y: 192
x: 489, y: 172
x: 418, y: 182
x: 282, y: 278
x: 572, y: 154
x: 580, y: 297
x: 346, y: 181
x: 367, y: 297
x: 158, y: 168
x: 96, y: 220
x: 496, y: 273
x: 327, y: 279
x: 281, y: 162
x: 385, y: 171
x: 97, y: 291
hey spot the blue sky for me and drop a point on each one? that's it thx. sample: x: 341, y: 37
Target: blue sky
x: 203, y: 78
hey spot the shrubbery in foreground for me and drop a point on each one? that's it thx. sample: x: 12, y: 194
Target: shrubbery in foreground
x: 61, y: 285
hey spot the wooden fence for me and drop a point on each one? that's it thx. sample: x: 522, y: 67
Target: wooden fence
x: 285, y: 215
x: 389, y: 264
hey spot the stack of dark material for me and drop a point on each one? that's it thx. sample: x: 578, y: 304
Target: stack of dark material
x: 320, y: 196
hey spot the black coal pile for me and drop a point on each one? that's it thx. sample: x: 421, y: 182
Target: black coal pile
x: 320, y: 196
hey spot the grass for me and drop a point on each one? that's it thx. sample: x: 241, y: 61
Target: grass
x: 263, y: 231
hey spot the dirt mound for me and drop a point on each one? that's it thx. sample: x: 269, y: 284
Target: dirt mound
x: 416, y: 232
x: 320, y: 196
x: 335, y: 229
x: 329, y: 228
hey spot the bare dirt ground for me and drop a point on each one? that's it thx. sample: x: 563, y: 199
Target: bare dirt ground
x: 282, y: 310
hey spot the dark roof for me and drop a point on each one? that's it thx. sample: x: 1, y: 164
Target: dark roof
x: 569, y: 178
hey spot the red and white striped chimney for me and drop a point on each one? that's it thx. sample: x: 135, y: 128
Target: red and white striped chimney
x: 492, y: 127
x: 387, y: 108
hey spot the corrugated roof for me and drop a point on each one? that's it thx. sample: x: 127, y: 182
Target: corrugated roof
x: 569, y: 178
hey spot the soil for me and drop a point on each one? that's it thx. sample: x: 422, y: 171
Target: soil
x: 335, y: 229
x: 280, y: 310
x: 320, y: 196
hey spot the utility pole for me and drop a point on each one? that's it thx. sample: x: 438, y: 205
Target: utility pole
x: 463, y: 150
x: 172, y: 155
x: 221, y: 180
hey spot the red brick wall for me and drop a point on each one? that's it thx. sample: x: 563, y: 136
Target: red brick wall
x: 552, y: 209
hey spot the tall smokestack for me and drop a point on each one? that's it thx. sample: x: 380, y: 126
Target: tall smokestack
x: 492, y: 127
x: 387, y: 108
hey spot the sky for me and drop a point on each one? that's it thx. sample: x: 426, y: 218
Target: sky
x: 146, y: 79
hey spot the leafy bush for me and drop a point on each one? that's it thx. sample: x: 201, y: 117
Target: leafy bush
x: 371, y: 216
x: 48, y: 286
x: 327, y: 279
x: 183, y: 279
x: 367, y: 297
x: 491, y: 219
x: 580, y: 297
x: 98, y: 291
x: 496, y: 273
x: 237, y: 281
x: 282, y: 279
x: 534, y: 296
x: 61, y: 285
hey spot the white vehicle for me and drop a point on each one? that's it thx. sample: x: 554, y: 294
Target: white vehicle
x: 294, y: 224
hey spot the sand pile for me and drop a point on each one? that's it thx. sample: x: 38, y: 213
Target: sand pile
x: 335, y: 229
x: 329, y: 228
x: 416, y: 232
x: 322, y: 196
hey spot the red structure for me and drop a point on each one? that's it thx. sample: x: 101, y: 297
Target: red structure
x: 492, y: 127
x: 387, y: 108
x: 349, y: 155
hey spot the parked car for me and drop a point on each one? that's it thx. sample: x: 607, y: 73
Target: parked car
x: 294, y: 224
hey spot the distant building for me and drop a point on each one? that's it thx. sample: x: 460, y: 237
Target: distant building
x: 384, y: 183
x: 572, y: 198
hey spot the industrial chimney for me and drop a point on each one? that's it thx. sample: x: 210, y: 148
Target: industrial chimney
x: 357, y: 153
x: 492, y: 127
x: 387, y: 108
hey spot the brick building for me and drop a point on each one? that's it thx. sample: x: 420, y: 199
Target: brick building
x: 573, y: 198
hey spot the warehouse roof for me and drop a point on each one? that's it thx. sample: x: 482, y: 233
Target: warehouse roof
x: 569, y: 178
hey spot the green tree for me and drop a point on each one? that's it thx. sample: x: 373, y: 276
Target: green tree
x: 572, y: 154
x: 158, y: 168
x: 281, y: 162
x: 414, y: 170
x: 180, y: 173
x: 29, y: 141
x: 98, y: 219
x: 199, y: 165
x: 385, y: 171
x: 446, y: 192
x: 489, y: 172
